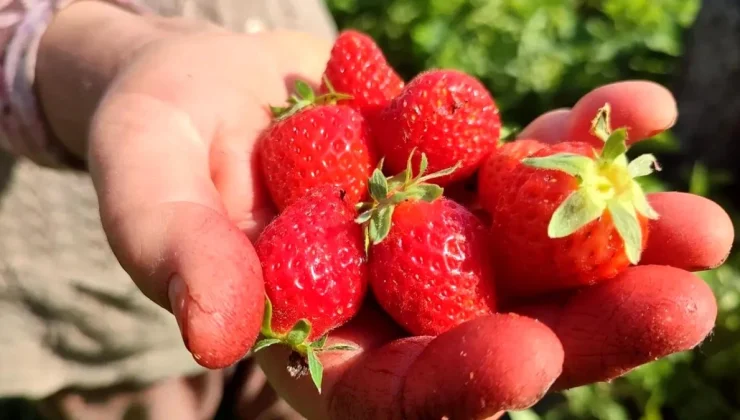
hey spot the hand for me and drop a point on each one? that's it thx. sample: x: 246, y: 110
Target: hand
x: 503, y: 362
x: 171, y: 154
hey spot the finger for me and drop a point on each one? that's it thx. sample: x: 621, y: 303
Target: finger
x: 645, y: 313
x: 644, y: 108
x: 368, y: 330
x: 480, y: 368
x: 234, y: 163
x: 692, y: 233
x: 167, y: 226
x: 372, y: 388
x: 285, y: 56
x: 299, y: 55
x: 548, y: 128
x: 410, y: 377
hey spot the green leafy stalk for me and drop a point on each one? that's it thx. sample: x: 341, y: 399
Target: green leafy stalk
x: 605, y: 183
x: 305, y: 97
x: 315, y: 368
x: 387, y: 192
x: 297, y: 340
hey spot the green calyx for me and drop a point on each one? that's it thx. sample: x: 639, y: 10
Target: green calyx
x: 387, y: 192
x: 605, y: 183
x: 305, y: 97
x: 297, y: 340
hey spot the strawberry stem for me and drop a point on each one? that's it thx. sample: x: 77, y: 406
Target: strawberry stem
x: 305, y: 97
x: 605, y: 183
x: 304, y: 351
x: 387, y: 192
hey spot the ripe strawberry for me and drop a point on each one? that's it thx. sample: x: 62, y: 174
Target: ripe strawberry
x: 315, y: 272
x: 493, y: 173
x: 357, y: 67
x: 445, y: 114
x: 315, y: 142
x: 571, y: 216
x: 429, y: 262
x: 466, y: 193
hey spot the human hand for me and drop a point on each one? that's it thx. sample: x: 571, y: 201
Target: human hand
x: 504, y: 362
x: 171, y: 154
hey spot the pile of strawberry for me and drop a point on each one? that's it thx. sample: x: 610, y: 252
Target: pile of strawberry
x: 404, y: 193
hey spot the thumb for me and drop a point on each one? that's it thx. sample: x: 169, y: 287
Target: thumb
x: 167, y: 226
x: 483, y: 367
x: 170, y: 156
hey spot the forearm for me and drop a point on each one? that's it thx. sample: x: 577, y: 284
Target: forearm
x: 80, y: 53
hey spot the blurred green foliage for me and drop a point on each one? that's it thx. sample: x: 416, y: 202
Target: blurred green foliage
x: 532, y: 54
x: 537, y: 55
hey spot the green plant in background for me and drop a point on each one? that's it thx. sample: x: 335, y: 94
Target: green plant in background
x: 533, y: 54
x: 537, y: 55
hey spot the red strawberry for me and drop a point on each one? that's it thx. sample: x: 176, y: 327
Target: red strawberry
x: 498, y: 166
x: 445, y: 114
x: 429, y: 262
x: 314, y: 142
x: 571, y: 216
x: 357, y: 67
x: 314, y: 268
x: 466, y: 193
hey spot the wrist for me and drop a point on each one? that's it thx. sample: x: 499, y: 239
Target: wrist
x: 80, y: 53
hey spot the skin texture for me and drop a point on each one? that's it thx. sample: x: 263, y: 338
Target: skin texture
x: 689, y: 248
x: 381, y: 376
x: 479, y: 385
x: 171, y: 155
x: 644, y: 116
x: 609, y: 312
x: 548, y: 128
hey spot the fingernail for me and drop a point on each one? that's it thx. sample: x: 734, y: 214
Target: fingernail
x: 177, y: 293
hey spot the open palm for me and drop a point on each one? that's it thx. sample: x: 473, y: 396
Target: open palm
x: 172, y: 158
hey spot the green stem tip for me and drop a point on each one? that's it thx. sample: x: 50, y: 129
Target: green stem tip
x: 304, y: 356
x: 305, y: 97
x: 607, y: 182
x: 386, y: 193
